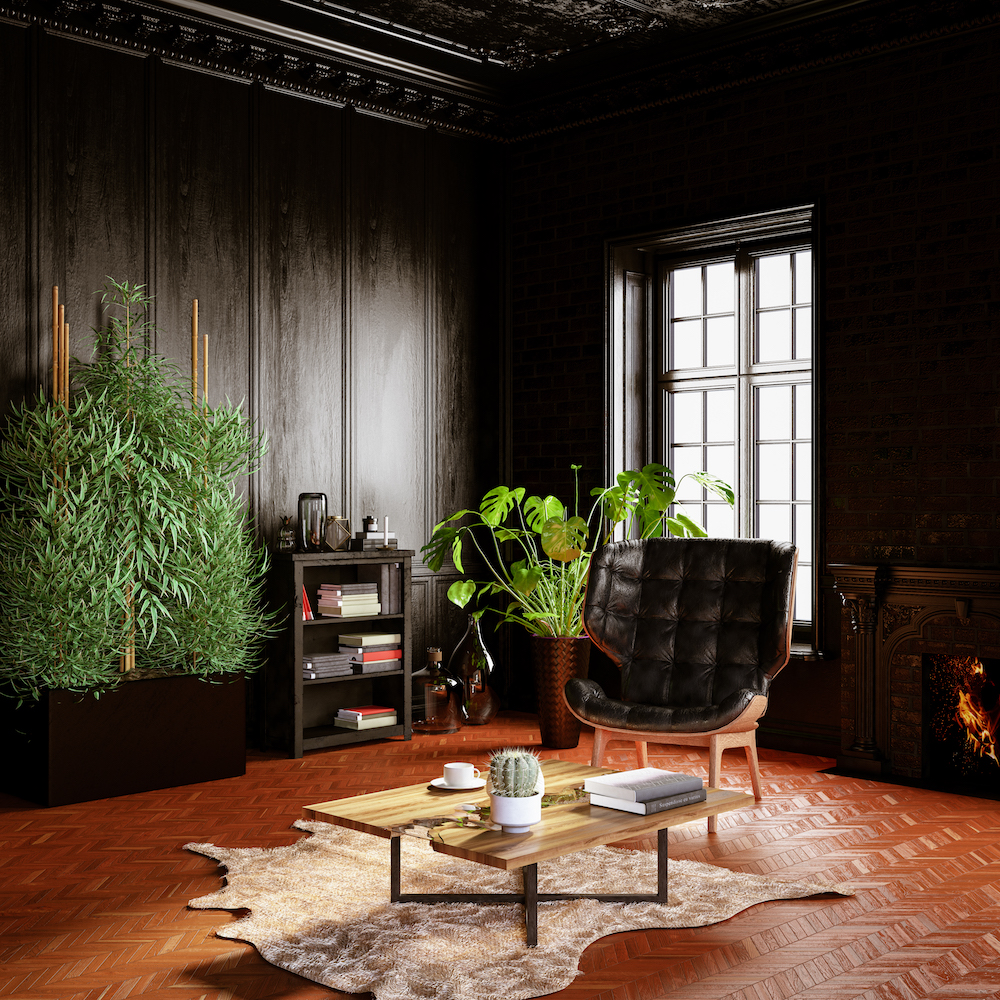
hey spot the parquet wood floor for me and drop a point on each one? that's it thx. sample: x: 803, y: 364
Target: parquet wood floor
x: 93, y: 896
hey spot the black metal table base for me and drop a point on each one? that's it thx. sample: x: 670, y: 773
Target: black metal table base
x: 530, y: 896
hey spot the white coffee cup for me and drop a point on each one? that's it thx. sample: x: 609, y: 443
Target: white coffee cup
x: 460, y: 775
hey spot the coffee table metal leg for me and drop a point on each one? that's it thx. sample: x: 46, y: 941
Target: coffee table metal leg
x: 661, y: 865
x: 529, y: 878
x: 395, y: 864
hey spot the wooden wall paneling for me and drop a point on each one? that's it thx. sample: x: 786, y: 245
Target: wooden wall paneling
x: 303, y: 392
x: 18, y: 357
x: 204, y: 224
x: 92, y: 180
x: 387, y: 326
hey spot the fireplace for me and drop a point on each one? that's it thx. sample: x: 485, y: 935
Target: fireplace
x: 914, y: 629
x: 961, y: 698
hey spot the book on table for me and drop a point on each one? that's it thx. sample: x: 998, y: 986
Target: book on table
x: 643, y: 784
x: 650, y: 806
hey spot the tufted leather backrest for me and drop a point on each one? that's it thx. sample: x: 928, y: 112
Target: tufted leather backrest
x: 691, y: 621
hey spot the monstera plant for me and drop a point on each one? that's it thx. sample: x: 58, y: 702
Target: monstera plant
x: 538, y: 553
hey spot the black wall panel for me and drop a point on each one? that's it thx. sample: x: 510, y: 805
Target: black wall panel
x: 299, y: 364
x: 18, y: 350
x: 93, y: 175
x: 346, y: 268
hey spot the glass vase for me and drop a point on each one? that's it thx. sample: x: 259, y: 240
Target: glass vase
x: 312, y: 521
x: 436, y: 698
x: 472, y: 664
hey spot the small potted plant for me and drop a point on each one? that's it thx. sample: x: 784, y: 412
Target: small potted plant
x: 515, y: 786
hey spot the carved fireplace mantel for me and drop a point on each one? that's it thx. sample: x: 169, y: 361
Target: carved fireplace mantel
x: 887, y: 606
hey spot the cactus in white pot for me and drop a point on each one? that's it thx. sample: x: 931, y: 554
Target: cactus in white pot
x: 515, y: 786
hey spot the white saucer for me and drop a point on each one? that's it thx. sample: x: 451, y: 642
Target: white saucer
x: 440, y: 783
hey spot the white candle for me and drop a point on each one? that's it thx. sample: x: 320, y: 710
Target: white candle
x: 385, y: 531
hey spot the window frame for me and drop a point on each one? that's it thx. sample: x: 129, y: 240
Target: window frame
x: 633, y: 315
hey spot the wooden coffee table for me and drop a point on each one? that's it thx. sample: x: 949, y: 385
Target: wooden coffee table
x: 564, y: 829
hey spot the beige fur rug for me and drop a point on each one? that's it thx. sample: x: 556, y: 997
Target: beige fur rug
x: 320, y: 908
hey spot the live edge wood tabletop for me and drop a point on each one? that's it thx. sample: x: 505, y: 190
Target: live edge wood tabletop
x: 565, y: 827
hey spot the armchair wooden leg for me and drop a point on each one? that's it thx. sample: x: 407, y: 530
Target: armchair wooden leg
x: 715, y: 749
x: 751, y: 751
x: 600, y: 746
x: 641, y: 756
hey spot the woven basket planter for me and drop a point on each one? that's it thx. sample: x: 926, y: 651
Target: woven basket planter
x: 555, y: 661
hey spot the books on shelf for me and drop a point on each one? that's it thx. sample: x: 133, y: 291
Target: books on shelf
x: 374, y: 722
x: 650, y: 806
x: 351, y: 650
x: 378, y: 666
x: 365, y: 711
x: 370, y: 638
x: 386, y: 578
x: 346, y: 589
x: 365, y: 610
x: 307, y: 615
x: 643, y: 784
x: 373, y: 544
x: 363, y: 655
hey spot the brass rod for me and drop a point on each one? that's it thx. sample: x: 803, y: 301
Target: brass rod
x: 204, y: 372
x: 194, y: 352
x: 55, y: 342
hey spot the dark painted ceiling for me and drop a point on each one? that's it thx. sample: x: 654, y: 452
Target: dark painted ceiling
x: 508, y: 68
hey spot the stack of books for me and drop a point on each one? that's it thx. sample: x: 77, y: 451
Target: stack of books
x: 326, y: 665
x: 365, y: 717
x: 369, y: 541
x: 645, y: 790
x: 348, y: 600
x: 372, y: 652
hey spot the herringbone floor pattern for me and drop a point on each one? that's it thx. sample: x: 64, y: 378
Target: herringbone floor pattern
x: 93, y: 895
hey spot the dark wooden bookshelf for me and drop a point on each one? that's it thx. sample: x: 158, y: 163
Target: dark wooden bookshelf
x: 298, y: 714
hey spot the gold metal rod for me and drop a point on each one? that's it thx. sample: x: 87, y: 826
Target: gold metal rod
x: 62, y: 349
x: 55, y: 342
x: 204, y: 372
x: 65, y: 363
x: 194, y: 352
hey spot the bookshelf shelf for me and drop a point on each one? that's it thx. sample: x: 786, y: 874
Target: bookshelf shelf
x: 297, y: 714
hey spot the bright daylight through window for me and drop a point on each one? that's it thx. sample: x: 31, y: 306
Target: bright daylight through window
x: 726, y: 313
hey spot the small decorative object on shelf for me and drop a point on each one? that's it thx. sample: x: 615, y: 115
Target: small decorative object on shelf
x: 372, y: 538
x: 286, y: 534
x: 472, y: 664
x: 437, y: 698
x: 338, y: 533
x: 515, y: 786
x: 312, y: 521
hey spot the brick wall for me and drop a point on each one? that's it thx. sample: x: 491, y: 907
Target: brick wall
x: 899, y: 151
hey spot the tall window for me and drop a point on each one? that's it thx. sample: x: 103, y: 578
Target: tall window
x: 727, y: 316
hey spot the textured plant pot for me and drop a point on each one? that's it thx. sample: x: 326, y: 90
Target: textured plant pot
x: 145, y: 734
x: 516, y: 815
x: 555, y: 661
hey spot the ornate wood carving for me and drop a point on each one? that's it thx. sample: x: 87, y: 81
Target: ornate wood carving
x: 730, y: 57
x: 895, y: 602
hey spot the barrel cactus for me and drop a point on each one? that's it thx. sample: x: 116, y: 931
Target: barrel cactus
x: 515, y: 773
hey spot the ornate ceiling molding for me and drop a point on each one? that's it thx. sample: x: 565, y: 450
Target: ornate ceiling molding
x: 536, y: 103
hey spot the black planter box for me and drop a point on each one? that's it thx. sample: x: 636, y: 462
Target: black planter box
x: 145, y: 734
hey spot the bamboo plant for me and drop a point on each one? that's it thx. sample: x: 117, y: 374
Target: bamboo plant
x: 123, y: 541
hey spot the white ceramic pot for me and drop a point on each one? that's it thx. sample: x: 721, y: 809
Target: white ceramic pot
x: 516, y: 815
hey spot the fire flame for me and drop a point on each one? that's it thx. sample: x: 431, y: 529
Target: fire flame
x: 979, y: 723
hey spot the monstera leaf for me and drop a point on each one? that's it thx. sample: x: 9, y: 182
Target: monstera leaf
x: 538, y: 511
x: 564, y: 540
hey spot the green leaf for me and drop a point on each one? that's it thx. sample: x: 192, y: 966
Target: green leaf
x: 461, y: 592
x: 498, y: 503
x: 524, y: 578
x: 564, y: 540
x: 538, y: 511
x: 682, y: 526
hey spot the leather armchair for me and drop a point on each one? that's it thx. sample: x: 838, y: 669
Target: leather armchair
x: 698, y: 627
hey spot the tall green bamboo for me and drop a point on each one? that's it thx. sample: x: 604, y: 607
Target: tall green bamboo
x: 141, y: 539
